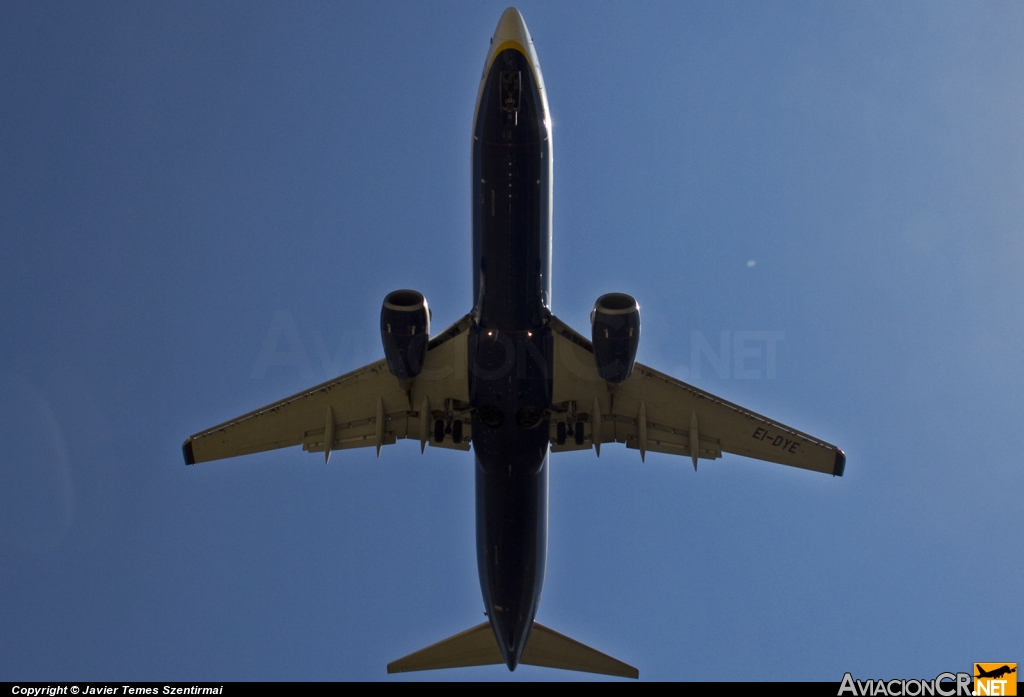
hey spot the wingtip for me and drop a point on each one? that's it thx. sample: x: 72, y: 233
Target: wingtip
x: 840, y: 465
x: 186, y: 450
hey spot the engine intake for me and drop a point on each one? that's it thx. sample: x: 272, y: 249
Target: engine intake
x: 405, y: 331
x: 615, y: 330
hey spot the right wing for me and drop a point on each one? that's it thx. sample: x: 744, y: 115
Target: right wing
x: 364, y: 408
x: 654, y: 411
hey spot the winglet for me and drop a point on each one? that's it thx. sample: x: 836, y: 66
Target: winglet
x: 840, y: 466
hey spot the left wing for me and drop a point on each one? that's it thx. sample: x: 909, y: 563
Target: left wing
x: 653, y: 411
x: 364, y: 408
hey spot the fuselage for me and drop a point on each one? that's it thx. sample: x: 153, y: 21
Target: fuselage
x: 510, y: 346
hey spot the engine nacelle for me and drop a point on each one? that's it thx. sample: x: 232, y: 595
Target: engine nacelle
x: 615, y: 330
x: 405, y: 331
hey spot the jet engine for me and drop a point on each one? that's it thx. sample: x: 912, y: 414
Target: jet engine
x: 615, y: 330
x: 405, y: 331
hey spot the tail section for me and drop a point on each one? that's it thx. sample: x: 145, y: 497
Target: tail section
x: 473, y: 647
x: 544, y: 647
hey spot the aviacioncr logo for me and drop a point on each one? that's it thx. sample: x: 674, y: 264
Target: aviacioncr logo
x: 944, y: 685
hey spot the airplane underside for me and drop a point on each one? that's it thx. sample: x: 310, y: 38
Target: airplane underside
x: 514, y: 383
x: 509, y: 348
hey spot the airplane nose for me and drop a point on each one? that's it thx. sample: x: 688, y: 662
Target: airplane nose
x: 511, y: 27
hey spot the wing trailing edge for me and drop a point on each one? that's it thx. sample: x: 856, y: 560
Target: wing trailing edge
x: 544, y: 647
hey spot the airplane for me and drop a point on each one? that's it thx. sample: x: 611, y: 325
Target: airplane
x: 513, y: 382
x: 995, y: 673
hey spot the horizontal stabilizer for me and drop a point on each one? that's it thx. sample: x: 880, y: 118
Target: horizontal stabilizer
x: 546, y: 647
x: 473, y: 647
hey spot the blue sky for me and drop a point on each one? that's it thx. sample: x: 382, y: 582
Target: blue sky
x: 179, y: 182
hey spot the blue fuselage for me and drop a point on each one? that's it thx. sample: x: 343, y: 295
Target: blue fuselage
x: 510, y: 346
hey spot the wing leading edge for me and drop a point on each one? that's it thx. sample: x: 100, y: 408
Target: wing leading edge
x: 652, y: 411
x: 364, y: 408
